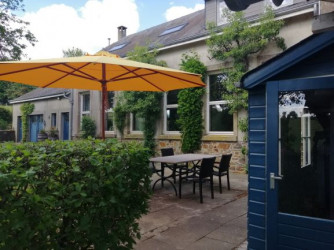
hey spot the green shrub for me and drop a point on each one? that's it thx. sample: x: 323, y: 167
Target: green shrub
x: 88, y: 127
x: 5, y: 118
x: 72, y: 195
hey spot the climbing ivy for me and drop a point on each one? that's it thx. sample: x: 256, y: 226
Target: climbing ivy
x: 190, y: 104
x: 146, y: 105
x: 26, y: 110
x: 238, y: 41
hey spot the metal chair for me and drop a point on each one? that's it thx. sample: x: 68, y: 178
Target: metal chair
x: 200, y: 176
x: 223, y: 169
x: 176, y: 168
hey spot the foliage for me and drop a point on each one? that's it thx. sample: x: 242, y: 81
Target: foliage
x: 190, y: 106
x: 72, y: 195
x: 88, y: 127
x: 14, y: 36
x: 237, y: 42
x: 5, y: 118
x: 243, y: 126
x: 26, y: 110
x: 120, y: 116
x: 10, y: 91
x: 72, y: 52
x: 145, y: 104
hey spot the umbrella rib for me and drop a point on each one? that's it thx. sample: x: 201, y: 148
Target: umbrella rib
x: 138, y: 76
x: 116, y: 78
x: 90, y: 77
x: 179, y: 78
x: 67, y: 74
x: 23, y: 70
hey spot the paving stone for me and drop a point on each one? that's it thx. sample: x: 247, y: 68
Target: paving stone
x: 209, y: 244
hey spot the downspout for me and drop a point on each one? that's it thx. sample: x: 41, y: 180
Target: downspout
x: 71, y: 100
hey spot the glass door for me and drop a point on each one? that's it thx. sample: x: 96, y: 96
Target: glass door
x: 300, y: 162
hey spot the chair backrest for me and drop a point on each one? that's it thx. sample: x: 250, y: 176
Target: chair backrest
x: 224, y: 164
x: 167, y: 151
x: 207, y: 167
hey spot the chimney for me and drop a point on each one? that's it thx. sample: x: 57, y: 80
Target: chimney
x: 121, y: 32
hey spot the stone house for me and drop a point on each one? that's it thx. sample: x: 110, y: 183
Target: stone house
x: 221, y: 133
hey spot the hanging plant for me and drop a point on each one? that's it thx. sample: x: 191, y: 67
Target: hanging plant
x: 190, y: 104
x: 26, y: 109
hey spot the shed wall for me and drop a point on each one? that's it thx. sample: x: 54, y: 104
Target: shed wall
x: 257, y: 169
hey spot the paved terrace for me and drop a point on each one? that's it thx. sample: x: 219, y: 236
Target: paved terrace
x: 174, y: 223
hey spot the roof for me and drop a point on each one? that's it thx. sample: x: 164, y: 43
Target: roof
x: 287, y: 59
x: 40, y: 93
x: 194, y: 27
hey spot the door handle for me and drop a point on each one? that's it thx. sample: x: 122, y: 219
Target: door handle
x: 273, y: 178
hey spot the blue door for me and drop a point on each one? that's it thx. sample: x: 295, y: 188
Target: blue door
x: 35, y: 125
x: 65, y: 121
x: 19, y: 129
x: 300, y: 164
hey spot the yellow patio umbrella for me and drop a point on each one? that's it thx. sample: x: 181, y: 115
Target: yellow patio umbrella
x: 103, y: 71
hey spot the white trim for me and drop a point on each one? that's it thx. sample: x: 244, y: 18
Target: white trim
x: 36, y: 98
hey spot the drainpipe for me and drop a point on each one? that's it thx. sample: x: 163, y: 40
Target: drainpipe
x: 70, y: 99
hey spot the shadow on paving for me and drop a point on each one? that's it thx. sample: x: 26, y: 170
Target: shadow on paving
x: 219, y: 223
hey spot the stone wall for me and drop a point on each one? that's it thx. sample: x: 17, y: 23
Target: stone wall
x: 238, y: 161
x: 7, y: 135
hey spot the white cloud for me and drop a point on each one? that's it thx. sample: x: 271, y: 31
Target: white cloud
x: 59, y: 27
x: 178, y: 11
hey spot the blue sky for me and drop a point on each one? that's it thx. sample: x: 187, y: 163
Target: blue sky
x: 87, y: 24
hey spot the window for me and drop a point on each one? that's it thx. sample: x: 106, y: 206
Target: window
x: 172, y: 30
x: 137, y: 123
x: 109, y: 112
x: 85, y: 104
x: 54, y: 120
x: 171, y: 116
x: 117, y: 47
x: 218, y: 117
x: 284, y: 3
x: 220, y: 9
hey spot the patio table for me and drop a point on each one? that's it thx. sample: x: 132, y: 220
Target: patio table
x: 175, y: 159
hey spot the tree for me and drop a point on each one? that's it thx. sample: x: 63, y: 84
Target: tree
x: 144, y: 104
x: 235, y: 43
x: 26, y: 109
x: 14, y: 38
x: 190, y: 106
x: 73, y: 52
x: 13, y: 31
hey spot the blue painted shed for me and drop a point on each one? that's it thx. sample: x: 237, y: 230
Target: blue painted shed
x: 291, y: 148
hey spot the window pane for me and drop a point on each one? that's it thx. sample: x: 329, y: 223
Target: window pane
x: 53, y: 120
x: 306, y: 188
x: 171, y: 115
x: 220, y: 119
x: 216, y: 87
x: 172, y: 97
x: 137, y: 123
x: 86, y: 102
x: 111, y: 99
x: 109, y: 121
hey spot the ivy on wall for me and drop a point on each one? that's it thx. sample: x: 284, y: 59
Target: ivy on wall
x: 26, y: 109
x: 146, y: 105
x: 190, y: 104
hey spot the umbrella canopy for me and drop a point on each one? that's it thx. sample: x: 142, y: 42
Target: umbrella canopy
x: 104, y: 72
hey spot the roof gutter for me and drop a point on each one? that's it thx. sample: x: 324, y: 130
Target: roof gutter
x: 37, y: 98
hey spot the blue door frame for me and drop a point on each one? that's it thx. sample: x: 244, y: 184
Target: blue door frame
x: 65, y: 121
x: 309, y: 232
x: 36, y: 124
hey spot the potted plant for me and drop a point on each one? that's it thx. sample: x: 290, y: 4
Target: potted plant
x: 42, y: 135
x: 53, y: 134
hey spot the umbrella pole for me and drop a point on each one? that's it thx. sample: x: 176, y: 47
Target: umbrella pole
x: 103, y: 117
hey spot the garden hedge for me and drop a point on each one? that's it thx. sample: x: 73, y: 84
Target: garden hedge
x: 72, y: 195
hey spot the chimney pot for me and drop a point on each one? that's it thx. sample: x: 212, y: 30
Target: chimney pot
x: 121, y: 32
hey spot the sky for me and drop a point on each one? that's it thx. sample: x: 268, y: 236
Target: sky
x: 87, y: 24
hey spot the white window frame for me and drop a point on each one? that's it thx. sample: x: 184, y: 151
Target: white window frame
x: 169, y: 106
x: 220, y: 6
x: 84, y: 112
x: 107, y: 111
x: 211, y: 103
x: 306, y: 139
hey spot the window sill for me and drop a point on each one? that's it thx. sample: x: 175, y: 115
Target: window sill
x: 219, y: 138
x: 134, y: 136
x: 169, y: 137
